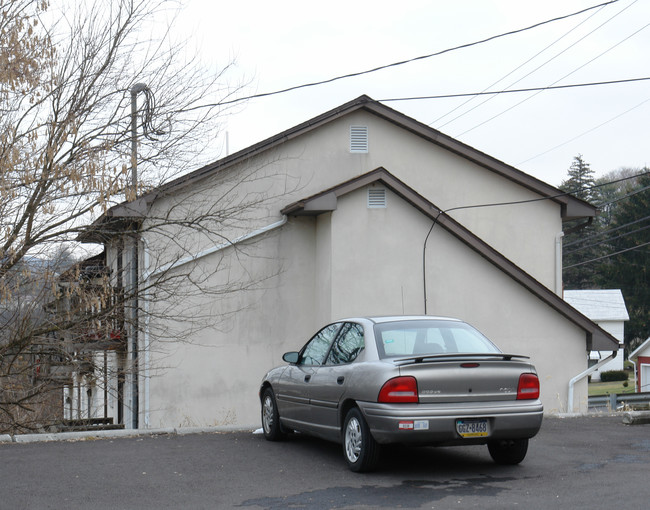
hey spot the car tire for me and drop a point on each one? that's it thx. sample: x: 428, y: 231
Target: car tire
x: 508, y: 451
x: 360, y: 449
x: 270, y: 417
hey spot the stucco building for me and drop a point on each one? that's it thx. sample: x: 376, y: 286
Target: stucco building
x: 361, y: 210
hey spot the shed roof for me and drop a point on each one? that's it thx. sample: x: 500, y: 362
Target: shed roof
x: 640, y: 349
x: 599, y: 305
x: 326, y: 200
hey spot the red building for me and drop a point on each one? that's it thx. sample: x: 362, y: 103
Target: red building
x: 641, y: 359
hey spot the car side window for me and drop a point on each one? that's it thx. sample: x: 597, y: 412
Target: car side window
x: 316, y: 349
x: 347, y: 345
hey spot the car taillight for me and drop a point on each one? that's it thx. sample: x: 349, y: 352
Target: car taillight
x: 399, y: 390
x: 528, y: 388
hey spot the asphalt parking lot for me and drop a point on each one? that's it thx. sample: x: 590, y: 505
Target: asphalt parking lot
x: 595, y: 462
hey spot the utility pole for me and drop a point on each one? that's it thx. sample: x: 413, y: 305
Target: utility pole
x: 135, y: 394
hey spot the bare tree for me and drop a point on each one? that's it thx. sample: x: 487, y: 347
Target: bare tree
x: 68, y: 77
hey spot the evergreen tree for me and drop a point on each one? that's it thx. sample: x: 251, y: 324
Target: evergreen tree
x: 612, y: 188
x: 580, y: 182
x: 576, y: 246
x: 628, y: 265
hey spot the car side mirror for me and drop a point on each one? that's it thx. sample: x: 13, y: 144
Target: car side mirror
x: 291, y: 357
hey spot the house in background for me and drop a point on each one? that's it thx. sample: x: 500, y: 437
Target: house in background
x: 359, y: 211
x: 89, y: 369
x: 607, y: 309
x: 641, y: 358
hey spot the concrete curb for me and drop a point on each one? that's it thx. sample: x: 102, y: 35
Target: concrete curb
x: 636, y: 418
x: 107, y: 434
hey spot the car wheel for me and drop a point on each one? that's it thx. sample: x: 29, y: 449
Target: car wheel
x: 270, y: 417
x: 508, y: 451
x: 360, y: 449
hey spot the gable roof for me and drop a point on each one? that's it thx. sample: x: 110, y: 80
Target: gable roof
x: 597, y: 338
x: 640, y: 349
x: 571, y: 207
x: 599, y: 305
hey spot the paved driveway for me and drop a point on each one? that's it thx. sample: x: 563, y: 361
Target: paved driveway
x: 573, y: 463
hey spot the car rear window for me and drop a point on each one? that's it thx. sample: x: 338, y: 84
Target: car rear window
x: 420, y: 337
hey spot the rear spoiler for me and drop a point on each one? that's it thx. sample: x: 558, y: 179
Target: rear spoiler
x: 438, y: 358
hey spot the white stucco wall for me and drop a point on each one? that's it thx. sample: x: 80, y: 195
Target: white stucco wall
x: 352, y: 261
x: 213, y: 377
x: 375, y: 265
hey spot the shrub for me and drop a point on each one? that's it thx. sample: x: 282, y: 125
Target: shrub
x: 613, y: 375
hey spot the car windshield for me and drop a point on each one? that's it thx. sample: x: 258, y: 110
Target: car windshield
x: 421, y: 337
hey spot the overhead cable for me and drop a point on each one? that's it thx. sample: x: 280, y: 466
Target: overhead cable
x: 556, y: 81
x: 550, y: 197
x: 586, y: 132
x: 608, y: 256
x: 522, y: 65
x: 402, y: 62
x: 512, y: 91
x: 608, y: 239
x: 608, y: 231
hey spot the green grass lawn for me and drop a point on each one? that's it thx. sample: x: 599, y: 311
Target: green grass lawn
x: 607, y: 388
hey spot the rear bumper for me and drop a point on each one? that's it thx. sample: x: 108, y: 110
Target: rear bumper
x: 436, y: 423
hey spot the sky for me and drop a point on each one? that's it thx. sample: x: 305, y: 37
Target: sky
x: 282, y: 44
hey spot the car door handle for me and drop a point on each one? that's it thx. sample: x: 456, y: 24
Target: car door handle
x: 307, y: 377
x: 340, y: 380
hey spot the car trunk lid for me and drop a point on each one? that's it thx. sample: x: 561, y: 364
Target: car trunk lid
x: 465, y: 377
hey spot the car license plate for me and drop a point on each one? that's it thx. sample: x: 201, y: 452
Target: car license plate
x: 472, y: 428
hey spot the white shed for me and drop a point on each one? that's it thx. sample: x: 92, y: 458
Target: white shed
x: 607, y: 309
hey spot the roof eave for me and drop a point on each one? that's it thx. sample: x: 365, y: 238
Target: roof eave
x: 115, y: 221
x: 571, y: 207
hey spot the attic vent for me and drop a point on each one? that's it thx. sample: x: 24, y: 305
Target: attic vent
x: 358, y: 139
x: 376, y: 198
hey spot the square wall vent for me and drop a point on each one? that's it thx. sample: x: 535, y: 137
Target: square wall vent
x: 359, y: 139
x: 376, y: 198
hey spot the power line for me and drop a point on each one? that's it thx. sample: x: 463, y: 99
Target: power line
x: 522, y: 65
x: 631, y: 194
x: 609, y: 231
x: 585, y: 132
x: 609, y: 239
x: 608, y: 256
x: 514, y: 91
x: 517, y: 202
x: 402, y: 62
x: 550, y: 197
x: 556, y: 81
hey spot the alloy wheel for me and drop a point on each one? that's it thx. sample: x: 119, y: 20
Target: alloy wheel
x: 353, y: 439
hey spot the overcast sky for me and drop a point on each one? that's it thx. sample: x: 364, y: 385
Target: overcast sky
x: 286, y: 43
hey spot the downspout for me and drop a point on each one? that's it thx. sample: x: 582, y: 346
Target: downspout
x: 584, y: 374
x: 558, y: 264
